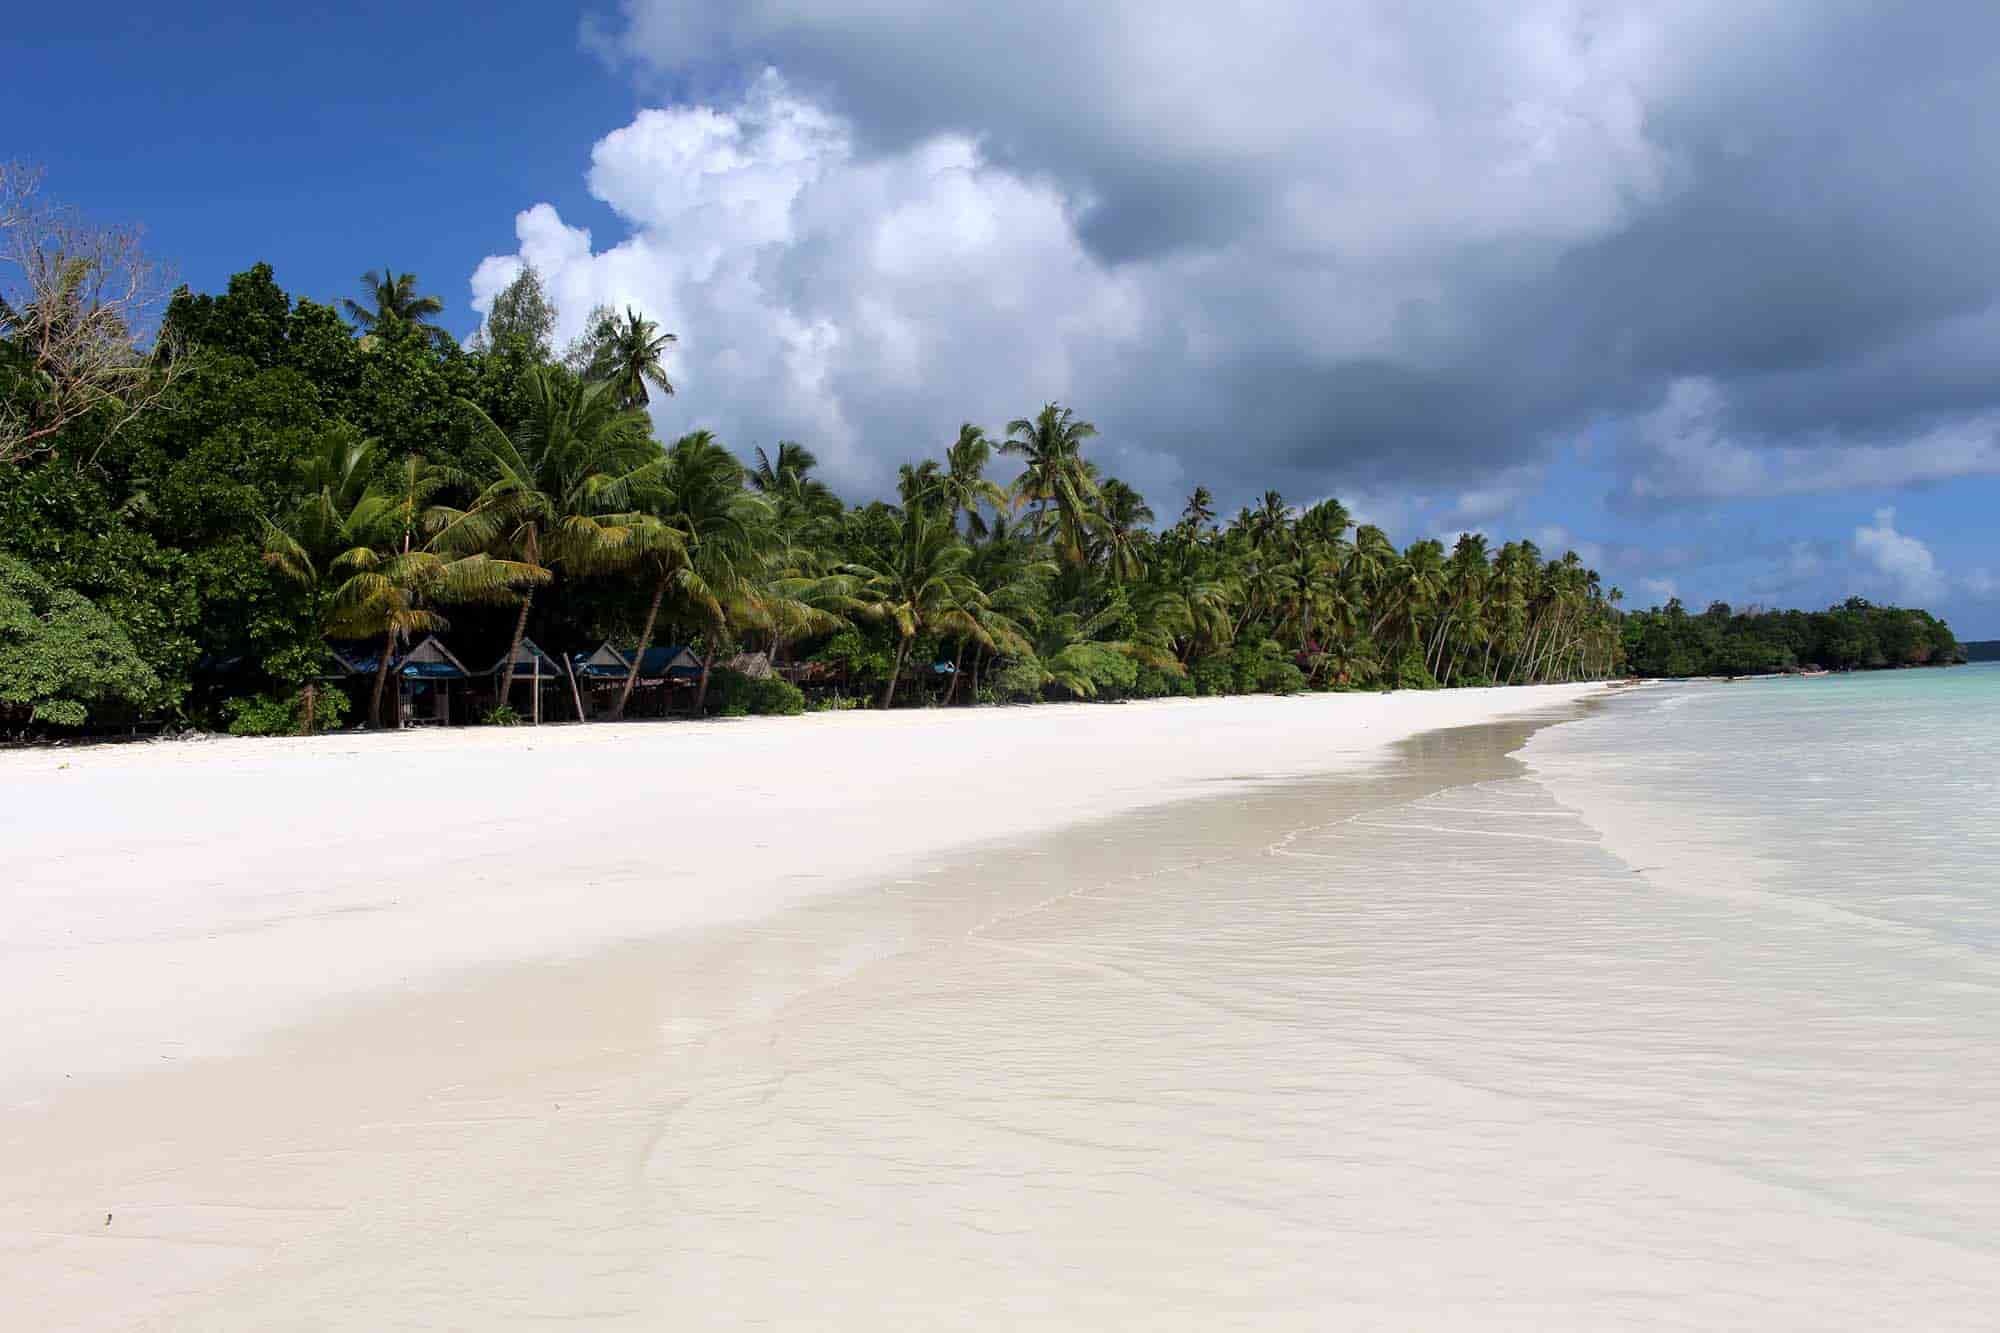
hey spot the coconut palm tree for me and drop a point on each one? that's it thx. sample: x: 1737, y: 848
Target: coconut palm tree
x: 630, y: 352
x: 302, y: 543
x: 392, y: 580
x: 392, y: 303
x: 1199, y: 514
x: 965, y: 486
x: 1055, y: 477
x: 796, y: 495
x: 920, y: 585
x: 1121, y: 537
x: 699, y: 494
x: 559, y: 488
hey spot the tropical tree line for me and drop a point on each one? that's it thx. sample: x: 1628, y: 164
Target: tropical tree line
x: 1856, y: 635
x: 265, y: 475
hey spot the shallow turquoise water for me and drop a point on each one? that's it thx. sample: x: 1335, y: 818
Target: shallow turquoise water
x: 1875, y: 794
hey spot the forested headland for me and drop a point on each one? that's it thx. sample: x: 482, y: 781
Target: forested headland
x: 1856, y: 635
x: 200, y: 492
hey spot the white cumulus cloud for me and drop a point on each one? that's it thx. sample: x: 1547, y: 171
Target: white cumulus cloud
x: 861, y: 305
x: 1902, y: 562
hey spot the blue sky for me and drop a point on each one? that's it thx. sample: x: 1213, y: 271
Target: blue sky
x: 1699, y: 291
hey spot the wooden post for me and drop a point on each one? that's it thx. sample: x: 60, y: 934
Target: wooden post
x: 574, y: 693
x: 538, y: 689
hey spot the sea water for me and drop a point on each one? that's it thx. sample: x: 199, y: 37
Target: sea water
x: 1681, y: 1017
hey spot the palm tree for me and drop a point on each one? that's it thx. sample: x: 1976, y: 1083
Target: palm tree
x: 787, y: 482
x: 698, y: 494
x: 964, y: 483
x: 1199, y: 514
x: 630, y: 352
x: 390, y: 583
x: 560, y: 487
x: 326, y: 520
x: 920, y: 585
x: 1121, y: 536
x: 302, y: 544
x: 1055, y: 478
x: 394, y: 303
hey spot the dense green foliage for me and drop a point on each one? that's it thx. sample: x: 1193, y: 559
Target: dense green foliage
x: 302, y: 478
x: 314, y: 708
x: 61, y: 657
x: 1721, y: 642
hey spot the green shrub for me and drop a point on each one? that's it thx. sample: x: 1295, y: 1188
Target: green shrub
x: 738, y: 695
x: 62, y: 660
x: 864, y: 655
x: 500, y: 715
x: 1157, y: 683
x: 1022, y: 678
x: 1211, y: 677
x: 270, y: 715
x: 1263, y: 667
x: 836, y: 703
x: 1282, y: 678
x: 1088, y: 670
x: 1412, y: 674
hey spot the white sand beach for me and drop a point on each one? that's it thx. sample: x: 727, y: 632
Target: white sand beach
x: 919, y: 1021
x: 171, y: 901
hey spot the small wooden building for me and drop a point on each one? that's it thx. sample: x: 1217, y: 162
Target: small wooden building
x: 663, y: 669
x: 539, y: 683
x: 430, y: 682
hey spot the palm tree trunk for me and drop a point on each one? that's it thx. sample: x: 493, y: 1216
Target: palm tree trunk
x: 645, y: 642
x: 381, y: 679
x: 895, y: 673
x: 957, y: 668
x: 701, y: 690
x: 514, y: 648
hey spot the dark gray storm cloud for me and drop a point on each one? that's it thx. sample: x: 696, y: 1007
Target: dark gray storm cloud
x: 1331, y: 245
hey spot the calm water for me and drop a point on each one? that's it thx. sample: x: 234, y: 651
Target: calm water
x: 1873, y: 798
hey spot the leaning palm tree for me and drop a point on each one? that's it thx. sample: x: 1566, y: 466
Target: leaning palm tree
x: 391, y: 581
x: 559, y: 488
x: 630, y: 352
x: 1055, y: 477
x: 699, y: 544
x: 392, y: 303
x: 699, y: 493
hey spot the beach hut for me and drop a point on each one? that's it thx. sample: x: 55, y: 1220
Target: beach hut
x: 606, y: 664
x: 428, y: 679
x: 531, y: 669
x: 601, y: 675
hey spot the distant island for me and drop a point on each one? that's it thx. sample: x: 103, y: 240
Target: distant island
x: 1983, y: 650
x: 1856, y: 635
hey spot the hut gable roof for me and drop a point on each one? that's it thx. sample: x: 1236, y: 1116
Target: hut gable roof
x: 606, y: 657
x: 428, y: 658
x: 528, y: 655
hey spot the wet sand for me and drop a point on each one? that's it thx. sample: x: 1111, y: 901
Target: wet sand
x: 1394, y: 1047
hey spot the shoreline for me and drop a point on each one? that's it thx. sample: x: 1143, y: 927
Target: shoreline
x: 304, y: 1151
x: 179, y: 899
x: 1144, y: 1070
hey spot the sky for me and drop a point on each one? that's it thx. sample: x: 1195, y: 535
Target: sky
x: 1702, y: 291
